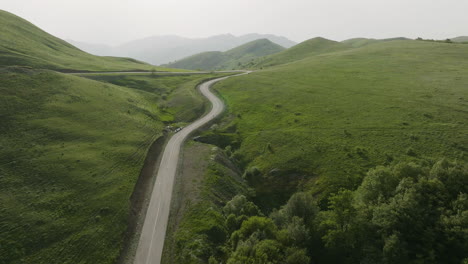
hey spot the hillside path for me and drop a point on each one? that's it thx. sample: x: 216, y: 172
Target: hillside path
x: 151, y: 243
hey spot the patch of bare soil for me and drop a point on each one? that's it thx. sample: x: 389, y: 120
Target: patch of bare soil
x: 194, y: 163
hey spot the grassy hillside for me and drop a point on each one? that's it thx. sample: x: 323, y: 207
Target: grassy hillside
x: 209, y: 60
x: 302, y: 50
x: 178, y: 100
x: 24, y: 44
x: 359, y: 42
x: 460, y: 39
x: 337, y: 115
x: 71, y: 152
x: 361, y: 154
x: 232, y: 59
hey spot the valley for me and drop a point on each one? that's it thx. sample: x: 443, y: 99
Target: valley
x: 256, y: 150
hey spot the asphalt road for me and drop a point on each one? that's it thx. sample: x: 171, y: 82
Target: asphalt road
x: 152, y: 237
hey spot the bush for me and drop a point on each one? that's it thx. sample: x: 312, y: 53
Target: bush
x: 302, y: 205
x: 239, y: 205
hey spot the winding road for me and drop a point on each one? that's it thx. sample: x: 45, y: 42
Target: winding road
x: 152, y: 237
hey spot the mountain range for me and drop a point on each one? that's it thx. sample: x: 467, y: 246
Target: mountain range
x: 159, y: 50
x: 232, y: 59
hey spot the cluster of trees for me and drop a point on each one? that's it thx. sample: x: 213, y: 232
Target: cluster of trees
x: 406, y: 213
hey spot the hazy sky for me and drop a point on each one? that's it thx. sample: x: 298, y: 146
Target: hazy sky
x: 117, y: 21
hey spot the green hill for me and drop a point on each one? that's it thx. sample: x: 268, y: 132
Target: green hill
x: 231, y: 59
x: 24, y: 44
x: 316, y: 126
x: 460, y: 39
x: 373, y: 101
x: 313, y: 47
x: 302, y: 50
x: 359, y: 42
x: 71, y: 151
x: 209, y: 60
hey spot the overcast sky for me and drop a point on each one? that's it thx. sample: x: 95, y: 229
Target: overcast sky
x: 117, y: 21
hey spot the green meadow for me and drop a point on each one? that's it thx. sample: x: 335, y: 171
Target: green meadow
x: 326, y: 119
x: 71, y: 152
x: 177, y: 98
x: 350, y: 155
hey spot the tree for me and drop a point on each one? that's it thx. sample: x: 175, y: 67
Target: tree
x: 303, y: 205
x: 239, y: 205
x: 296, y: 256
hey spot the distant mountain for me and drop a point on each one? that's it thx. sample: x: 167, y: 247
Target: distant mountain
x: 24, y: 44
x: 231, y: 59
x: 302, y: 50
x: 460, y: 39
x: 165, y: 49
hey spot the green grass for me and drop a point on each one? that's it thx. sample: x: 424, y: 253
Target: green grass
x: 71, y: 152
x: 460, y: 39
x: 24, y: 44
x: 338, y: 114
x: 302, y: 50
x: 232, y: 59
x: 360, y: 42
x: 178, y: 101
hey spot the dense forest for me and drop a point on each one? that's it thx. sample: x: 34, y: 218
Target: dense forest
x: 409, y: 212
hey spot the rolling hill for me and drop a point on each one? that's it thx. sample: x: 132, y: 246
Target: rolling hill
x: 302, y: 50
x: 313, y: 47
x: 231, y: 59
x: 363, y: 91
x: 71, y: 153
x: 166, y: 49
x: 24, y: 44
x: 350, y: 153
x: 360, y: 42
x: 460, y: 39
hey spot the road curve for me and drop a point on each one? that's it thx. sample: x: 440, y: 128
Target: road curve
x: 150, y: 245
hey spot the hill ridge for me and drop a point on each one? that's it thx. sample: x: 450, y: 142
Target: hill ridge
x: 232, y: 59
x: 25, y: 44
x: 166, y: 49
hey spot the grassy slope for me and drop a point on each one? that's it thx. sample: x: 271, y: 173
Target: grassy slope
x: 360, y: 42
x: 178, y: 101
x: 203, y: 61
x: 302, y: 50
x: 231, y: 59
x: 460, y: 39
x: 250, y: 51
x: 338, y: 114
x: 71, y: 151
x: 24, y: 44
